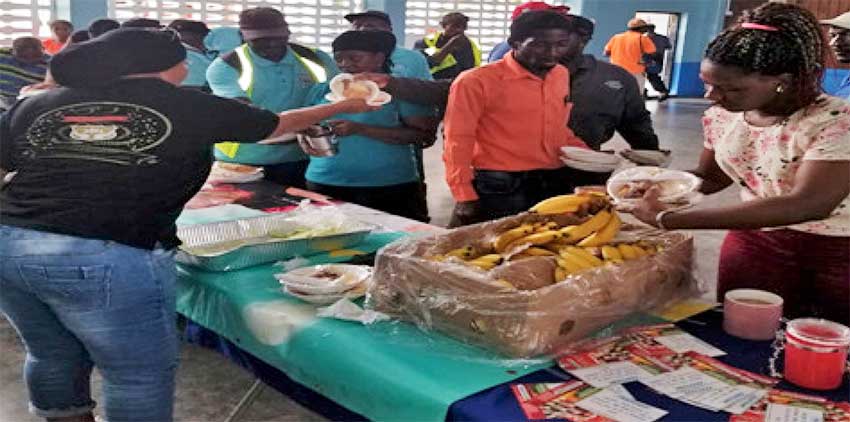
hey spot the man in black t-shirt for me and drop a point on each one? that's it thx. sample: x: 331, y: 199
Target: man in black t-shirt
x: 103, y: 166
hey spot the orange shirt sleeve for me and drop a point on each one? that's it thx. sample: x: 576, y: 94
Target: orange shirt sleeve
x: 648, y: 45
x: 465, y: 107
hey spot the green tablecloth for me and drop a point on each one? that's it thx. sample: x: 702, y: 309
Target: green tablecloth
x: 388, y: 371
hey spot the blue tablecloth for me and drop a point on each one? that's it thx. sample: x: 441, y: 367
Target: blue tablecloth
x: 499, y: 404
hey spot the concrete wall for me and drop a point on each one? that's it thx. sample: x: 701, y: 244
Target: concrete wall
x: 700, y: 21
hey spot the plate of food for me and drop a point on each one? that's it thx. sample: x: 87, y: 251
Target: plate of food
x: 340, y: 280
x: 589, y: 160
x: 677, y: 187
x: 344, y: 87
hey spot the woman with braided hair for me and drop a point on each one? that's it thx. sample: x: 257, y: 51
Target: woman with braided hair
x: 773, y: 132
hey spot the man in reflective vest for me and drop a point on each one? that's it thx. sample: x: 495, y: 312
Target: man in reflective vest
x: 273, y: 74
x: 450, y: 52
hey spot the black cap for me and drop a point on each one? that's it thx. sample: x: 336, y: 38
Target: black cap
x: 141, y: 23
x: 262, y: 22
x: 186, y: 25
x: 582, y: 25
x: 102, y: 26
x: 373, y: 41
x: 377, y: 14
x: 117, y: 53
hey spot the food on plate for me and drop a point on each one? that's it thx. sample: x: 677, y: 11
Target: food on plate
x: 303, y: 232
x: 326, y: 283
x: 674, y: 186
x: 356, y: 89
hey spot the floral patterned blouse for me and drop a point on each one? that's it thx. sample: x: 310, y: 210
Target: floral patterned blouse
x: 765, y: 160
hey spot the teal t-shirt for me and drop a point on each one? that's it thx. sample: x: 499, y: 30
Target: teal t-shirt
x: 365, y: 162
x: 409, y: 63
x: 278, y: 86
x: 197, y: 61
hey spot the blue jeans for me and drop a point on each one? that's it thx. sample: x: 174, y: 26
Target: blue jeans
x: 78, y: 303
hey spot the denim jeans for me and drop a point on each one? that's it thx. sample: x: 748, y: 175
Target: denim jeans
x: 78, y: 303
x: 503, y: 193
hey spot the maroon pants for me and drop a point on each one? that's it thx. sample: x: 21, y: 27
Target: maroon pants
x: 811, y: 272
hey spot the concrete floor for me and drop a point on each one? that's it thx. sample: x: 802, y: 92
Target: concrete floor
x: 208, y: 386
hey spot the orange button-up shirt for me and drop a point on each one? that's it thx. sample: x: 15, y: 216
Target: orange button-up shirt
x: 503, y: 117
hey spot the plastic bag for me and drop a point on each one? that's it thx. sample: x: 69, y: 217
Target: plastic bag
x: 531, y: 314
x: 677, y: 187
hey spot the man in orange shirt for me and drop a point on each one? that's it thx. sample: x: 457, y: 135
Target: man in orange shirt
x: 506, y: 122
x: 61, y: 30
x: 626, y: 50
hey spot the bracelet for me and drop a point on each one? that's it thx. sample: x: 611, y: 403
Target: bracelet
x: 660, y: 217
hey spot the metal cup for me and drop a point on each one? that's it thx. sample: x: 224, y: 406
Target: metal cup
x: 318, y: 141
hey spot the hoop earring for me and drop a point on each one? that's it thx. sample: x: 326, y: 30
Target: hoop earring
x: 780, y: 89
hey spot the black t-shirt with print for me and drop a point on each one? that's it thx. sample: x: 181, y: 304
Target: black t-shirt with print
x: 116, y: 163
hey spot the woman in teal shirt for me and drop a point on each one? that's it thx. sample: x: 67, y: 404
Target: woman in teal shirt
x: 375, y: 165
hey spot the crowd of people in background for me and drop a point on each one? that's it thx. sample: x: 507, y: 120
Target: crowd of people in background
x: 102, y: 158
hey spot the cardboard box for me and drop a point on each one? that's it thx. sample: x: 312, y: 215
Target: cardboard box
x: 540, y: 316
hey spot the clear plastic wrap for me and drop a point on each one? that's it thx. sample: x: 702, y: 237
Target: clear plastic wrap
x: 532, y: 315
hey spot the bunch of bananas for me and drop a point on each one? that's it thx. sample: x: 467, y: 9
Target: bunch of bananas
x: 575, y: 248
x: 597, y: 230
x: 573, y: 259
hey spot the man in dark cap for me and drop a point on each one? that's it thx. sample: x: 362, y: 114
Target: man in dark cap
x: 450, y: 52
x: 198, y: 58
x: 105, y: 164
x: 506, y: 123
x: 605, y: 99
x: 142, y: 23
x: 272, y: 73
x: 101, y: 26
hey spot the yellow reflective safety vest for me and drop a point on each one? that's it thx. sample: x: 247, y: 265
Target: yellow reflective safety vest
x: 317, y: 72
x: 449, y: 61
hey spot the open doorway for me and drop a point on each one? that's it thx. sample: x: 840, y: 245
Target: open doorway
x: 666, y: 24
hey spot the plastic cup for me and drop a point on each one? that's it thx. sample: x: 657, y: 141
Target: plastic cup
x: 752, y: 314
x: 816, y: 353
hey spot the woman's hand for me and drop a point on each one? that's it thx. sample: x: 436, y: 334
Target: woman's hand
x: 649, y: 206
x: 345, y: 127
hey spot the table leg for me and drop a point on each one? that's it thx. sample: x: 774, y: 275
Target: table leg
x: 245, y: 402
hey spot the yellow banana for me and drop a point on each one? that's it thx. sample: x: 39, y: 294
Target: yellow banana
x: 576, y: 261
x: 627, y: 251
x: 594, y: 250
x: 535, y: 251
x: 505, y: 239
x: 560, y: 204
x: 615, y: 261
x: 570, y: 266
x: 536, y: 239
x: 575, y: 233
x: 505, y: 284
x: 437, y: 258
x: 605, y: 234
x: 585, y: 255
x: 465, y: 252
x: 560, y: 274
x: 486, y: 262
x: 546, y: 226
x: 611, y: 253
x: 639, y: 251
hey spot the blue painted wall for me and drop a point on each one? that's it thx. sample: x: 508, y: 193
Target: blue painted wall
x: 700, y: 21
x: 81, y: 12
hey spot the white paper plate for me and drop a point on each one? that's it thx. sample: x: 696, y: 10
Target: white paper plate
x: 677, y: 186
x: 381, y: 99
x: 302, y: 280
x: 354, y: 293
x: 590, y: 156
x: 587, y: 166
